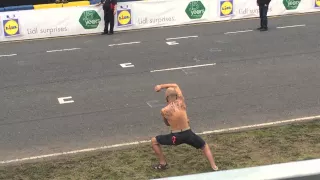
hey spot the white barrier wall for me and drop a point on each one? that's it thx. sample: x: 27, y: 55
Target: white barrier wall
x: 32, y: 24
x: 299, y: 170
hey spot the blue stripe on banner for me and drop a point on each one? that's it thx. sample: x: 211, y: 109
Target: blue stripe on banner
x: 2, y: 10
x: 97, y: 1
x: 18, y: 8
x: 94, y: 1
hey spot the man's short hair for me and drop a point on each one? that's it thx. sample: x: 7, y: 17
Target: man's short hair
x: 170, y: 93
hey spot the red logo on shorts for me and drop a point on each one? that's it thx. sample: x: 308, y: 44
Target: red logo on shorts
x: 174, y: 139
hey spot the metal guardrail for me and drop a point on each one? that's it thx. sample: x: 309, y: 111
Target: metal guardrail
x: 300, y: 170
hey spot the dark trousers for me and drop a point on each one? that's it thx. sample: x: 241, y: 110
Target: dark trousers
x: 263, y: 9
x: 108, y: 19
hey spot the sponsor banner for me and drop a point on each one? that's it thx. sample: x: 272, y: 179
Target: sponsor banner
x: 226, y: 8
x: 124, y: 16
x: 90, y: 19
x: 195, y: 9
x: 291, y: 4
x: 168, y: 13
x: 317, y: 3
x: 297, y: 6
x: 32, y: 24
x: 11, y: 26
x: 155, y: 14
x: 231, y: 9
x: 250, y: 9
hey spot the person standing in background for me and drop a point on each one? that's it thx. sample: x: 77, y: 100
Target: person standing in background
x: 263, y: 9
x: 109, y: 8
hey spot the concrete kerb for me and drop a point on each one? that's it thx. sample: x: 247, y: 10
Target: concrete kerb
x: 220, y: 131
x: 262, y: 126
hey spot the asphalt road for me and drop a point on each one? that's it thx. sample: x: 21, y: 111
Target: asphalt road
x: 257, y: 77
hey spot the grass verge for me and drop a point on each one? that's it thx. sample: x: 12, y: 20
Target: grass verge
x: 233, y: 150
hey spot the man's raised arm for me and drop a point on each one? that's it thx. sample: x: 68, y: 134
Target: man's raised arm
x: 166, y: 86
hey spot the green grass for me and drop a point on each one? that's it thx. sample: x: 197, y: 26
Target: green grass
x: 233, y: 150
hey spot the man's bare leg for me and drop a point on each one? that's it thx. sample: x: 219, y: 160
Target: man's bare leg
x: 207, y: 152
x: 157, y: 149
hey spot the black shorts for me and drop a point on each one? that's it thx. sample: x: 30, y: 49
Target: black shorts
x: 185, y: 137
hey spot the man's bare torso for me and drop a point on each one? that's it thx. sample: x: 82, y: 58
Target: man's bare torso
x: 176, y: 114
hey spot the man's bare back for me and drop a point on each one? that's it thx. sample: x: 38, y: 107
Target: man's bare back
x: 176, y: 115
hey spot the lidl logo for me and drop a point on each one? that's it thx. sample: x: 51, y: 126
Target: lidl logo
x: 317, y: 3
x: 226, y: 8
x: 124, y: 17
x: 11, y: 27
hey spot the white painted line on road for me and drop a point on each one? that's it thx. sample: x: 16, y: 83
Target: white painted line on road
x: 62, y: 100
x: 126, y: 65
x: 171, y: 43
x: 155, y: 103
x: 215, y: 50
x: 59, y: 50
x: 188, y: 71
x: 8, y: 55
x: 283, y: 27
x: 261, y: 125
x: 235, y: 32
x: 148, y: 141
x: 184, y: 37
x: 149, y: 104
x: 124, y: 43
x: 186, y: 67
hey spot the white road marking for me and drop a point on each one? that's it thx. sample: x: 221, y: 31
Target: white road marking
x: 59, y: 50
x: 186, y: 67
x: 171, y: 43
x: 155, y: 103
x: 235, y: 32
x: 188, y: 71
x: 215, y: 50
x: 62, y: 100
x: 196, y: 59
x: 126, y: 65
x: 148, y: 141
x: 8, y: 55
x: 184, y: 71
x: 184, y: 37
x: 218, y: 41
x: 89, y: 41
x: 149, y: 104
x: 152, y: 102
x: 124, y: 43
x: 283, y: 27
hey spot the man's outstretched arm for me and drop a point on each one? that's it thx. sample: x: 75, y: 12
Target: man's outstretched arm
x: 166, y: 86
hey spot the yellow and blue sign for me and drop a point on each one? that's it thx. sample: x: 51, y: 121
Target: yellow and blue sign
x: 124, y: 17
x: 226, y: 8
x: 317, y: 4
x: 11, y: 27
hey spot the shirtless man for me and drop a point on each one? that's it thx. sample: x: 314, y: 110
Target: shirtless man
x: 175, y: 116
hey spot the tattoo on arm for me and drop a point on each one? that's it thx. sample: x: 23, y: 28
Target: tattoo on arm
x: 166, y: 121
x: 165, y: 115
